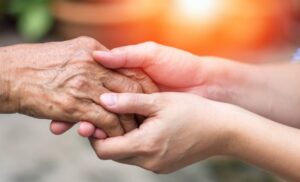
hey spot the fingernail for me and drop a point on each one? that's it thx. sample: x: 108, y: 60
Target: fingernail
x: 109, y: 99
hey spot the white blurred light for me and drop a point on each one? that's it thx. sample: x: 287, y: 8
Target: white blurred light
x: 195, y: 9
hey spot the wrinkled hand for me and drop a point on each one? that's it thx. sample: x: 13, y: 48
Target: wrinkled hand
x: 87, y: 129
x: 61, y: 81
x: 179, y: 129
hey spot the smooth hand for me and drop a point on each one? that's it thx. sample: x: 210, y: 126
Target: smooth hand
x: 182, y: 129
x: 179, y: 129
x: 172, y: 69
x: 270, y: 90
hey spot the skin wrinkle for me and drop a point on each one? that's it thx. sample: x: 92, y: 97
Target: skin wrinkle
x: 3, y: 88
x: 60, y: 70
x: 47, y: 82
x: 80, y: 73
x: 49, y: 79
x: 57, y: 73
x: 5, y: 92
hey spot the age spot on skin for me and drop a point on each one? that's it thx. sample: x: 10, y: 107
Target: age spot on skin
x: 50, y: 107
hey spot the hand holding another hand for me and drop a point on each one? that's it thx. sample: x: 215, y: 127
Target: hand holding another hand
x: 179, y: 129
x: 171, y: 69
x: 62, y: 81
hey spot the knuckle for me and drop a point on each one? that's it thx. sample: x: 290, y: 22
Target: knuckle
x: 83, y: 42
x: 81, y: 56
x: 69, y: 105
x: 134, y: 87
x: 135, y: 74
x: 79, y: 82
x: 88, y: 41
x: 120, y: 82
x: 110, y: 121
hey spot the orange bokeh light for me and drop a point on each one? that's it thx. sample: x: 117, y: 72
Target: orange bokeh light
x: 223, y: 27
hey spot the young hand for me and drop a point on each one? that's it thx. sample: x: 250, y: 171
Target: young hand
x: 172, y: 69
x: 179, y: 129
x: 182, y: 129
x: 268, y: 90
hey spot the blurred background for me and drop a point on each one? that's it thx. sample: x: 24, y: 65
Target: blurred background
x: 254, y: 31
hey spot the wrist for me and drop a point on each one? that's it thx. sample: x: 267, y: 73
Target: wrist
x: 243, y: 126
x: 229, y: 79
x: 231, y: 124
x: 8, y: 104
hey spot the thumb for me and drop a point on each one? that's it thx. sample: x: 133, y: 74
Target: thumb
x: 127, y: 103
x: 134, y: 56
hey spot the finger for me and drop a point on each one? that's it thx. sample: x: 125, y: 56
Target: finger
x: 119, y: 83
x: 103, y: 119
x: 90, y: 91
x: 148, y: 86
x: 76, y: 110
x: 60, y: 127
x: 128, y: 122
x: 99, y: 134
x: 86, y: 129
x: 93, y: 93
x: 117, y: 147
x: 127, y: 103
x: 135, y: 56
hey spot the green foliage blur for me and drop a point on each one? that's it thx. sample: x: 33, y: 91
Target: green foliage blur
x: 34, y: 18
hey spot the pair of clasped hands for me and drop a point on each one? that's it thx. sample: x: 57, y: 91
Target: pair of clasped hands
x: 160, y: 127
x: 158, y: 107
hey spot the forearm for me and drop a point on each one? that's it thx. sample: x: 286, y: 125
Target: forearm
x: 269, y: 90
x: 268, y: 145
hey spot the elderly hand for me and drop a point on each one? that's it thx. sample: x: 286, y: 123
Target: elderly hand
x: 61, y: 81
x: 179, y: 129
